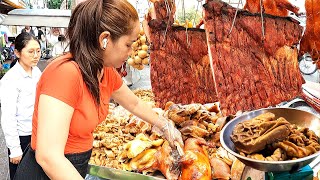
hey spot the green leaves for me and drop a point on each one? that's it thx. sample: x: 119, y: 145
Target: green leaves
x: 56, y: 4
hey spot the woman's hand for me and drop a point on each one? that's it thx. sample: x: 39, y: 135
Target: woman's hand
x: 171, y: 133
x: 127, y: 99
x: 16, y: 160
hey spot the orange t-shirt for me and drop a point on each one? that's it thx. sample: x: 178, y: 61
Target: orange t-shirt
x: 62, y: 80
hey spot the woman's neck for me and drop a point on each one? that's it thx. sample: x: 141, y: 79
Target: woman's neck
x: 28, y: 69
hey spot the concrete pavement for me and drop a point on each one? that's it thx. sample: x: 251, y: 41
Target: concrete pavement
x: 4, y: 170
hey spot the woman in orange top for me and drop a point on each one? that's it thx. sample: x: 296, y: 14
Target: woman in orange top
x: 73, y: 92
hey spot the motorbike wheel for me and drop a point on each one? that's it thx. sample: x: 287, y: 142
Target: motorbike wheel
x: 306, y: 65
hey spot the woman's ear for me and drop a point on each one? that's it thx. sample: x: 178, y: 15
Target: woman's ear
x: 17, y: 53
x: 104, y: 38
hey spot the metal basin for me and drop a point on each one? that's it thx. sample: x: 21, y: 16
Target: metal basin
x: 294, y: 116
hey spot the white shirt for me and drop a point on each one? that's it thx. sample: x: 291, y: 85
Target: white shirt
x: 59, y: 48
x: 52, y: 39
x: 18, y: 91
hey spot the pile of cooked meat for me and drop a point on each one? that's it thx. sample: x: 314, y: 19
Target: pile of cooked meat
x: 273, y: 139
x: 125, y: 142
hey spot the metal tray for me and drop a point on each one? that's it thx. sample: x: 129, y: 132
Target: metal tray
x: 294, y: 116
x: 116, y: 174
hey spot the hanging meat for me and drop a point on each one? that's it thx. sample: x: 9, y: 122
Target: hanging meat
x: 272, y: 7
x: 180, y: 68
x: 250, y: 73
x: 196, y: 163
x: 310, y: 41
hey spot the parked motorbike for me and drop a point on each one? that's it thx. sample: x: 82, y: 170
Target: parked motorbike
x: 306, y: 65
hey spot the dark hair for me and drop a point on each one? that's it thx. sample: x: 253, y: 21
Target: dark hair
x: 61, y: 37
x: 22, y: 40
x: 88, y: 20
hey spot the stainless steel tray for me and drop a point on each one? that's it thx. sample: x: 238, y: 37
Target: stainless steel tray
x: 116, y: 174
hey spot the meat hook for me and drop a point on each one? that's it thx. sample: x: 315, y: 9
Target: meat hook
x: 234, y: 18
x: 167, y: 26
x: 195, y: 16
x: 262, y: 24
x: 188, y: 42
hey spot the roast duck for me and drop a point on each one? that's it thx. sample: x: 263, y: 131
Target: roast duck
x: 310, y: 41
x: 195, y: 163
x: 272, y: 7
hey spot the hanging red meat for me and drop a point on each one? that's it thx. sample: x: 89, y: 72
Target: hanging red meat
x: 250, y: 73
x: 180, y: 68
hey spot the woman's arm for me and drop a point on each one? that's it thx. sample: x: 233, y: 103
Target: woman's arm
x: 126, y: 98
x: 9, y: 95
x: 54, y: 117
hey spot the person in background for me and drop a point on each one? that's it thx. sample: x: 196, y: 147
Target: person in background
x: 28, y: 29
x: 52, y: 37
x: 18, y: 88
x: 60, y: 47
x: 42, y: 38
x: 74, y: 91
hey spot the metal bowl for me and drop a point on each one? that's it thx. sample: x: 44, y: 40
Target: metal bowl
x: 294, y: 116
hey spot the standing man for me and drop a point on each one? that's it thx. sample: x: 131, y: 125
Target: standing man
x: 27, y: 29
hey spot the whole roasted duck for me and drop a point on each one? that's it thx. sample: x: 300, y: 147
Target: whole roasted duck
x: 195, y: 163
x: 310, y: 41
x: 272, y: 7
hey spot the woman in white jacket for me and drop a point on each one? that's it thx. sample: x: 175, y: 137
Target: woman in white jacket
x: 18, y: 87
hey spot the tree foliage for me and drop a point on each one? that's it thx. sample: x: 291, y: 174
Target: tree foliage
x: 56, y: 4
x: 189, y: 14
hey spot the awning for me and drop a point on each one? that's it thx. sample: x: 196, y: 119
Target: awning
x: 15, y: 5
x: 38, y: 17
x: 5, y: 8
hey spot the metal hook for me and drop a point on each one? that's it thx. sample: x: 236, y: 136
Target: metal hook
x: 234, y: 18
x: 262, y: 20
x: 167, y: 25
x: 188, y: 43
x: 167, y: 7
x: 183, y: 11
x: 195, y: 16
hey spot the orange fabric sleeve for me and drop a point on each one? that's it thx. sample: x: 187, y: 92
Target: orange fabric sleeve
x: 63, y: 83
x: 114, y: 78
